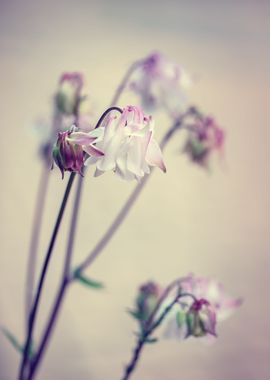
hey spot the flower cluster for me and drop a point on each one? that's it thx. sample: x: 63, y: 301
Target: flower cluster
x: 161, y: 83
x: 124, y: 144
x: 205, y: 136
x: 199, y: 305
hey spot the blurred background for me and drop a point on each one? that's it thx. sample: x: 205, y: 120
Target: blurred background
x: 213, y: 224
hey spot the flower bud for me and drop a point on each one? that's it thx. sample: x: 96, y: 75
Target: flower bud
x: 205, y: 137
x: 67, y: 155
x: 68, y: 95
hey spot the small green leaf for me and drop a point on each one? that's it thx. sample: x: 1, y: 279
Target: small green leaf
x: 180, y: 318
x: 151, y: 340
x: 12, y: 339
x: 88, y: 281
x: 134, y: 314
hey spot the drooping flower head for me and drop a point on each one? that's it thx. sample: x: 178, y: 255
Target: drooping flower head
x: 70, y: 150
x: 194, y: 310
x: 200, y: 319
x: 161, y: 83
x: 213, y: 291
x: 205, y: 137
x: 128, y: 145
x: 198, y: 314
x: 68, y: 94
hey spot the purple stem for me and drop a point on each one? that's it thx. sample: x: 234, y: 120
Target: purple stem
x: 37, y: 221
x: 32, y: 256
x: 34, y: 310
x: 65, y: 278
x: 62, y: 290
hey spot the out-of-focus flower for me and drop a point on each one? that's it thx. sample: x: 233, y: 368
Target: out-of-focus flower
x: 204, y: 137
x: 128, y: 145
x: 68, y: 152
x: 202, y: 304
x: 213, y: 291
x: 68, y: 95
x: 201, y: 319
x: 146, y: 302
x: 161, y: 83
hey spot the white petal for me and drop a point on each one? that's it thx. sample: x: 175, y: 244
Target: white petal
x: 154, y: 155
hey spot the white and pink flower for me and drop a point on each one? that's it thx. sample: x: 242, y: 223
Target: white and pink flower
x: 128, y: 145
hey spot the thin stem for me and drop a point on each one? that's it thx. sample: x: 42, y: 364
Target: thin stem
x: 105, y: 113
x: 34, y: 310
x: 32, y: 256
x: 143, y: 339
x: 37, y: 221
x: 124, y: 81
x: 71, y: 238
x: 48, y: 331
x: 62, y: 290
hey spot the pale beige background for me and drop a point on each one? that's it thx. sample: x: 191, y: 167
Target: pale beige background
x: 186, y: 220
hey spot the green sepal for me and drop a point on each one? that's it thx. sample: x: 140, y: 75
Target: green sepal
x: 15, y: 343
x: 88, y: 281
x: 135, y: 314
x: 151, y: 340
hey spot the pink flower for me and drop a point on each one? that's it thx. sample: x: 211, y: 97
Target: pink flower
x: 203, y: 304
x: 68, y: 95
x: 71, y: 148
x: 201, y: 319
x: 213, y: 291
x: 128, y: 145
x: 204, y: 138
x: 161, y: 84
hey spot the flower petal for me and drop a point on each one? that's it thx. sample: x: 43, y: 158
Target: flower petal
x: 154, y: 155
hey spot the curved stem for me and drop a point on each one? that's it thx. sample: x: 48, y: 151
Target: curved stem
x: 32, y: 256
x: 124, y: 81
x: 34, y: 310
x: 105, y: 113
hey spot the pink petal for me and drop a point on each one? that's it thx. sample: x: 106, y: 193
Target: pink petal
x: 81, y: 138
x: 93, y: 151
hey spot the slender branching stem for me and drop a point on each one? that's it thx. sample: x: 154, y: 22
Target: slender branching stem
x: 32, y: 256
x: 37, y: 221
x: 65, y: 278
x: 34, y: 310
x: 143, y: 339
x: 63, y: 286
x: 124, y: 81
x: 151, y: 325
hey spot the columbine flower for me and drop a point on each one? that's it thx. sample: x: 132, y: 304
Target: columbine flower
x: 197, y: 314
x: 68, y: 95
x: 70, y: 148
x: 161, y: 83
x: 213, y: 291
x: 205, y: 136
x: 146, y: 302
x: 201, y: 319
x: 128, y: 145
